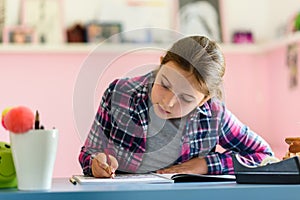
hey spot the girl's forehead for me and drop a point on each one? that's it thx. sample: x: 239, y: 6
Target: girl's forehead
x: 173, y: 71
x: 178, y: 77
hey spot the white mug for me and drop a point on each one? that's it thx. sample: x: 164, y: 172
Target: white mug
x: 34, y: 154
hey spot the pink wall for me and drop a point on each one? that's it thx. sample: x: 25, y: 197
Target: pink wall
x: 247, y: 89
x: 45, y: 82
x: 284, y: 118
x: 257, y: 91
x: 256, y: 87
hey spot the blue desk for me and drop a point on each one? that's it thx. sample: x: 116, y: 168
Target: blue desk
x: 63, y: 189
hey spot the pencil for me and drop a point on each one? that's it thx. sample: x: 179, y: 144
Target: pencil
x: 108, y: 168
x: 73, y: 181
x: 37, y: 120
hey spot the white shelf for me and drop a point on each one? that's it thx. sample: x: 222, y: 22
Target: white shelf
x: 261, y: 48
x: 39, y: 48
x: 78, y: 48
x: 87, y: 48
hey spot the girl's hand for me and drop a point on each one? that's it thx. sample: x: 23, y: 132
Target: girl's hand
x: 193, y: 166
x: 104, y: 166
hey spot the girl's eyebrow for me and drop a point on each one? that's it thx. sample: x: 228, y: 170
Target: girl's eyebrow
x: 189, y: 95
x: 166, y: 78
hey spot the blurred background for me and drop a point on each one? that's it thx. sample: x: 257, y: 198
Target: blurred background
x: 46, y: 44
x: 61, y: 21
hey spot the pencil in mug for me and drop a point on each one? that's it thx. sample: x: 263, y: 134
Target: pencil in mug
x: 37, y: 120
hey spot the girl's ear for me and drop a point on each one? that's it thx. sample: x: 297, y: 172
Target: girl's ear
x: 161, y: 59
x: 205, y: 99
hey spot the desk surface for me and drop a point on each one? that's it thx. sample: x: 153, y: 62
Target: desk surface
x: 63, y: 189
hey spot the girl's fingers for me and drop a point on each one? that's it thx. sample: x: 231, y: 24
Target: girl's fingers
x: 101, y: 157
x: 98, y: 169
x: 107, y: 165
x: 113, y: 163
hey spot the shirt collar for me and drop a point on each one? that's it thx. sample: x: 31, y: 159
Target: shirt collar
x: 204, y: 109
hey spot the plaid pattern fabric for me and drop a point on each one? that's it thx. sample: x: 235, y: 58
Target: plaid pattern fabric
x: 121, y: 123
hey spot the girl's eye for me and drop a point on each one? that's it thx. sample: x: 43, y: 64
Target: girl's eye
x: 186, y: 99
x: 164, y: 84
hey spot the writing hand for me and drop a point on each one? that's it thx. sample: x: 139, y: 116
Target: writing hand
x: 104, y: 165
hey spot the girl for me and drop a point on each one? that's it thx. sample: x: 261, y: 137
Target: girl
x: 170, y: 120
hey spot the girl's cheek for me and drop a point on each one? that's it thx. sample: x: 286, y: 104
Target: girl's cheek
x: 158, y: 90
x: 155, y: 94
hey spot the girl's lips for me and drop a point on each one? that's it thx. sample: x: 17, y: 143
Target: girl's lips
x: 162, y: 110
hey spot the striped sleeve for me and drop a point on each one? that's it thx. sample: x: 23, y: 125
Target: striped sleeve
x: 97, y: 138
x: 236, y: 137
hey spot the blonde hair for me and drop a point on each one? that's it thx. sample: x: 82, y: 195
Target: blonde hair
x: 202, y: 57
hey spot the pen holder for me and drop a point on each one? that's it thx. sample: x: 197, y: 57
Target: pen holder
x: 34, y: 154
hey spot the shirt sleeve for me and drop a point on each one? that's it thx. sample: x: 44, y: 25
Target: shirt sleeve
x: 97, y: 138
x: 235, y: 137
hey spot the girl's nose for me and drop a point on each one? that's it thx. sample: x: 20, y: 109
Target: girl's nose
x: 170, y: 99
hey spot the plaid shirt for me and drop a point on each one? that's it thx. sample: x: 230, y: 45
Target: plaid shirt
x: 121, y: 123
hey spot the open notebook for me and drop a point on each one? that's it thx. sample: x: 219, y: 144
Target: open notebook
x: 154, y: 178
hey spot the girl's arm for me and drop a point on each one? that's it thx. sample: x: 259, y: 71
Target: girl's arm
x: 235, y: 137
x: 97, y: 139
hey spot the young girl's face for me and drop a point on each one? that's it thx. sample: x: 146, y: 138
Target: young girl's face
x: 175, y: 93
